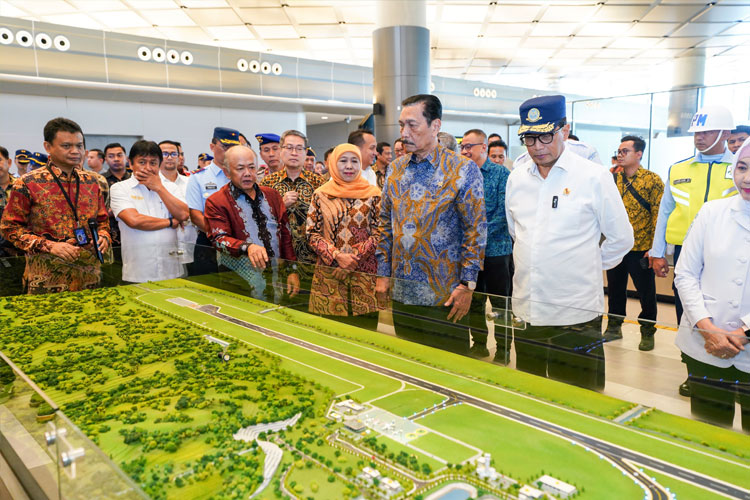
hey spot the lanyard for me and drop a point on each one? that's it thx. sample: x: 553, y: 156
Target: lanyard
x: 73, y: 207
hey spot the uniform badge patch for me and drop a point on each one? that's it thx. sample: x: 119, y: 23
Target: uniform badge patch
x: 682, y: 181
x: 533, y: 115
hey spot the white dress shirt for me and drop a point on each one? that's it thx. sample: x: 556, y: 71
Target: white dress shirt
x: 188, y: 233
x: 713, y: 277
x: 558, y: 259
x: 146, y: 255
x: 369, y: 175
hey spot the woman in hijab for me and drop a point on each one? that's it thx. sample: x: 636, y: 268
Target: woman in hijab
x: 342, y: 228
x: 713, y: 279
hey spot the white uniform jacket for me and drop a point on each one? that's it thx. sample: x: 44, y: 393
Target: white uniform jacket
x: 557, y: 224
x: 713, y: 277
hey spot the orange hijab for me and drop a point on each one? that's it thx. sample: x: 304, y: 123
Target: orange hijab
x: 337, y: 187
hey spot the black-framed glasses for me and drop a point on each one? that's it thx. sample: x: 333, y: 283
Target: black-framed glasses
x: 529, y: 140
x: 622, y: 152
x: 468, y: 145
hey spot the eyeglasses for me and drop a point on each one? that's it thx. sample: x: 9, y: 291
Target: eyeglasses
x: 530, y: 140
x: 173, y: 154
x: 468, y: 145
x: 622, y: 152
x: 298, y: 149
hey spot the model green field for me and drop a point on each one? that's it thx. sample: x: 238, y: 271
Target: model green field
x: 132, y: 369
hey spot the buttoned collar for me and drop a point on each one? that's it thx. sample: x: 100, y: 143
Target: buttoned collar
x: 59, y: 172
x: 488, y: 165
x: 237, y: 192
x: 216, y: 170
x: 564, y: 162
x: 432, y: 158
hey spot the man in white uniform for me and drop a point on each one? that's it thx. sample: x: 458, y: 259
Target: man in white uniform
x: 169, y: 169
x: 558, y: 205
x: 148, y: 211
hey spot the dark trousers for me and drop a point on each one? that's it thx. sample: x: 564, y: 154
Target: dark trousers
x: 677, y: 302
x: 427, y: 325
x: 494, y: 281
x: 573, y: 354
x: 204, y: 257
x: 645, y: 284
x: 712, y: 395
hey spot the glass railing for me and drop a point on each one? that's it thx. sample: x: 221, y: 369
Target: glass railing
x: 220, y: 380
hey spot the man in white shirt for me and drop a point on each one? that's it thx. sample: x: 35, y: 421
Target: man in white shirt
x: 368, y: 147
x: 169, y: 170
x: 148, y: 211
x: 558, y: 205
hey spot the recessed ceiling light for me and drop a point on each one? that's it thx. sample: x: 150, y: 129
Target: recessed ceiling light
x: 323, y: 117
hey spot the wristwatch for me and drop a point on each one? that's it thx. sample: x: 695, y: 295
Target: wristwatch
x: 244, y: 247
x: 471, y: 285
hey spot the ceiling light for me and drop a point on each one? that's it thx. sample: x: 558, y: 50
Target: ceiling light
x: 43, y: 41
x: 158, y: 54
x: 6, y: 36
x: 323, y: 117
x: 186, y: 58
x: 144, y: 53
x: 62, y: 43
x: 24, y: 38
x: 173, y: 56
x: 276, y: 69
x: 265, y: 67
x: 254, y: 66
x: 242, y: 65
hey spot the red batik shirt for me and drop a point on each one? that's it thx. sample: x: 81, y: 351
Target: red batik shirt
x: 37, y: 214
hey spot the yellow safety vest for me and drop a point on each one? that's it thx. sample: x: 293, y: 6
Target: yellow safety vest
x: 692, y: 183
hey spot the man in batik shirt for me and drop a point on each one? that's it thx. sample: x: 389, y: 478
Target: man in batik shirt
x: 48, y: 212
x: 433, y: 231
x: 296, y: 186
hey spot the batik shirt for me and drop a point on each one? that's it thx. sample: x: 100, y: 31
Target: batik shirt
x: 343, y: 225
x: 304, y: 185
x: 37, y: 215
x: 433, y: 226
x: 651, y: 188
x: 498, y: 239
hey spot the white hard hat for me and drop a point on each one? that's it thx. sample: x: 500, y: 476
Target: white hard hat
x: 712, y: 117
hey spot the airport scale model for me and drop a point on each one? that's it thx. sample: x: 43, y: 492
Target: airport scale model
x: 197, y: 392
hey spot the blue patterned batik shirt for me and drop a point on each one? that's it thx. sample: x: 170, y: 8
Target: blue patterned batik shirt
x: 433, y: 226
x: 498, y: 237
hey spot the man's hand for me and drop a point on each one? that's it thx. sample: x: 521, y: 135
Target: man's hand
x: 460, y: 299
x: 382, y: 287
x: 347, y: 261
x: 659, y: 265
x: 290, y: 198
x: 149, y: 177
x: 719, y: 342
x: 103, y: 245
x: 292, y: 284
x: 258, y: 256
x: 64, y: 250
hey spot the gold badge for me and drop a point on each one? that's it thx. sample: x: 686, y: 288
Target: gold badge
x: 566, y: 191
x: 533, y: 115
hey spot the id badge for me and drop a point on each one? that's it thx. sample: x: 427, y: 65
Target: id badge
x: 81, y: 237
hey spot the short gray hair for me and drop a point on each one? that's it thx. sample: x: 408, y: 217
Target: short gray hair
x: 295, y: 133
x: 448, y: 141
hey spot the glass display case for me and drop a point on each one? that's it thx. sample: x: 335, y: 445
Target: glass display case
x: 226, y: 385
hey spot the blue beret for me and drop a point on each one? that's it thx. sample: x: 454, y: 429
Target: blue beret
x: 205, y: 156
x: 267, y: 139
x: 23, y: 155
x: 539, y: 115
x: 227, y: 135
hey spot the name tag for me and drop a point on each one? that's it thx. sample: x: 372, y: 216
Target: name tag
x: 136, y: 197
x: 682, y: 181
x: 210, y: 186
x: 728, y: 174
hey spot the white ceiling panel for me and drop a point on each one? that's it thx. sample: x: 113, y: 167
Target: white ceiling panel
x: 652, y: 29
x: 45, y: 7
x: 604, y: 29
x: 507, y: 29
x: 620, y: 13
x: 277, y: 31
x: 618, y: 53
x: 576, y: 53
x: 464, y: 13
x: 360, y: 30
x: 120, y: 19
x: 291, y: 45
x: 325, y: 44
x: 672, y: 13
x: 100, y: 5
x: 567, y: 13
x: 544, y: 42
x: 264, y: 16
x: 9, y: 10
x: 679, y: 43
x: 725, y: 41
x: 354, y: 13
x: 194, y: 4
x: 727, y: 14
x: 553, y: 29
x: 314, y: 15
x: 489, y: 63
x: 534, y: 53
x: 151, y: 4
x: 452, y: 53
x: 456, y: 42
x: 78, y: 20
x: 168, y: 17
x: 702, y: 29
x: 515, y: 13
x: 248, y: 45
x: 629, y: 42
x: 320, y: 30
x: 587, y: 42
x: 738, y: 29
x: 463, y: 30
x: 361, y: 43
x: 214, y: 17
x: 192, y: 34
x: 230, y: 32
x: 499, y: 43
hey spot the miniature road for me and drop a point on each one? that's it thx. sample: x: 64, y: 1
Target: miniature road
x: 616, y: 454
